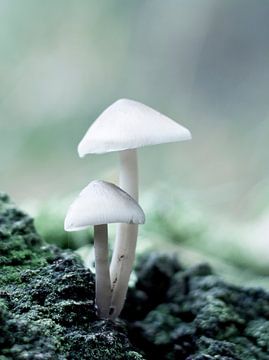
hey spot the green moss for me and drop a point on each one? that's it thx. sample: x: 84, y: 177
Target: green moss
x: 258, y: 331
x: 160, y: 323
x: 47, y: 306
x: 198, y: 316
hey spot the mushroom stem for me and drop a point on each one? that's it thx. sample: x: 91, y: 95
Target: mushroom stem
x: 128, y: 179
x: 126, y: 238
x: 102, y: 278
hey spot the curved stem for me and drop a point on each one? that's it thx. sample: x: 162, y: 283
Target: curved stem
x: 102, y: 278
x: 126, y: 238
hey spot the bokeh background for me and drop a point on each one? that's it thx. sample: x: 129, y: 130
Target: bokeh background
x: 203, y: 63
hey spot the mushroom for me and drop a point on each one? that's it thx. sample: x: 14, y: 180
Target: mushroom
x: 125, y: 126
x: 101, y: 203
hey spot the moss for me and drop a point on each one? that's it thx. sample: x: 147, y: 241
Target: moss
x: 47, y: 306
x: 201, y: 317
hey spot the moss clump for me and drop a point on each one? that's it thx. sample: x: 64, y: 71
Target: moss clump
x: 198, y: 316
x: 47, y: 300
x: 20, y: 245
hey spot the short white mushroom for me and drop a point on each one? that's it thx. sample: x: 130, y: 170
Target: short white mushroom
x: 101, y: 203
x: 125, y: 126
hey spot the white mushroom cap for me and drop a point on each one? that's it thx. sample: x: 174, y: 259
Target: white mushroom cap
x: 128, y: 124
x: 99, y: 203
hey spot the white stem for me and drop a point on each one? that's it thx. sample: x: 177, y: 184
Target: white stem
x: 128, y: 179
x: 126, y: 238
x: 102, y: 278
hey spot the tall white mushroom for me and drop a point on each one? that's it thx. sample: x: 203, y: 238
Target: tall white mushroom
x: 125, y: 126
x: 101, y: 203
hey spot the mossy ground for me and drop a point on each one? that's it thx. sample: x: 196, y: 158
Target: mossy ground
x: 47, y: 307
x: 194, y: 315
x: 47, y: 300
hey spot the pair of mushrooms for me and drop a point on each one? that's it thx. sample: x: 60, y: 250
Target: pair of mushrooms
x: 124, y: 126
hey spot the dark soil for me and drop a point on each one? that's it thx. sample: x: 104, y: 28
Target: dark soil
x: 47, y: 307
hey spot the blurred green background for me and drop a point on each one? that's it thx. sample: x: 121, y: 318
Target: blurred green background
x: 203, y: 63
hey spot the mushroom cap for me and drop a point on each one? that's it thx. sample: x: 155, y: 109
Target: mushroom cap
x: 128, y: 124
x: 101, y: 202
